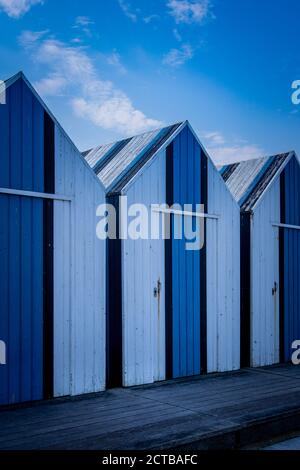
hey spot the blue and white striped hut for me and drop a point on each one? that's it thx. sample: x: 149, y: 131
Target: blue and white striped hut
x: 268, y: 193
x: 52, y: 266
x: 171, y: 312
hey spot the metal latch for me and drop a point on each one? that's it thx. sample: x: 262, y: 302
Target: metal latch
x: 157, y: 289
x: 275, y: 288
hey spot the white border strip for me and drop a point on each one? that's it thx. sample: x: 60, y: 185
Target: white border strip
x: 293, y: 227
x: 186, y: 213
x: 19, y: 192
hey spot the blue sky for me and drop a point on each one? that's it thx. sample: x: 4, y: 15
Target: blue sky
x: 112, y: 68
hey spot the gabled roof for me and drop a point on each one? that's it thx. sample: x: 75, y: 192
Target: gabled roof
x: 248, y: 180
x: 117, y: 163
x: 20, y: 76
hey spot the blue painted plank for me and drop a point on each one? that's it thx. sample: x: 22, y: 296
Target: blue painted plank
x: 4, y: 142
x: 186, y: 263
x: 37, y: 302
x: 26, y: 253
x: 14, y: 346
x: 38, y: 146
x: 4, y: 330
x: 197, y: 280
x: 37, y: 247
x: 181, y: 198
x: 4, y: 242
x: 190, y: 184
x: 176, y: 271
x: 291, y: 258
x: 21, y: 247
x: 27, y: 138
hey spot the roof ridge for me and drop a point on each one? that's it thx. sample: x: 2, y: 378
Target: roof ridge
x: 178, y: 123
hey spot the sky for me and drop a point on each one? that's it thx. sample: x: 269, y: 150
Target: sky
x: 108, y: 69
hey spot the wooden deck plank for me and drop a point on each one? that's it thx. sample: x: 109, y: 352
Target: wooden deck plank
x: 154, y: 415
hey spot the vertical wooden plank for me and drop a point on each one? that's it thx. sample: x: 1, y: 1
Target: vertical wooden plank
x: 14, y: 344
x: 48, y: 255
x: 4, y: 242
x: 196, y: 260
x: 203, y: 268
x: 168, y: 249
x: 223, y: 277
x: 143, y: 332
x: 181, y: 198
x: 60, y: 259
x: 265, y: 272
x: 290, y: 259
x: 27, y: 255
x: 190, y: 177
x: 37, y: 244
x: 176, y: 293
x: 213, y: 294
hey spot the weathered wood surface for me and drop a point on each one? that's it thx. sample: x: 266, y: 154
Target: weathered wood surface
x: 288, y: 444
x: 173, y: 414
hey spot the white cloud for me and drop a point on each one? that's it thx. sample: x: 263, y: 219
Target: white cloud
x: 189, y: 11
x: 114, y: 59
x: 177, y: 57
x: 83, y: 21
x: 235, y: 153
x: 28, y: 39
x: 52, y: 85
x: 214, y: 138
x: 223, y: 152
x: 71, y: 69
x: 177, y: 35
x: 17, y: 8
x: 127, y: 10
x: 76, y: 40
x: 116, y: 112
x: 150, y: 18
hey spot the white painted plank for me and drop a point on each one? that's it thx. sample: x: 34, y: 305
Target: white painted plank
x: 143, y: 265
x: 80, y: 271
x: 264, y: 272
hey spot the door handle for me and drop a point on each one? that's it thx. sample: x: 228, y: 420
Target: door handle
x: 274, y: 289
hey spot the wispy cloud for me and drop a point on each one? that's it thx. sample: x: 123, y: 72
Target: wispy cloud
x: 53, y: 85
x: 150, y: 18
x: 72, y: 70
x: 114, y: 59
x: 236, y: 153
x: 128, y: 10
x: 84, y: 23
x: 177, y: 35
x: 17, y: 8
x: 223, y: 152
x: 189, y: 11
x: 215, y: 138
x: 178, y: 57
x: 28, y: 39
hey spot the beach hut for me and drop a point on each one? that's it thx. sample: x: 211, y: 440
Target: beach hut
x: 172, y: 312
x: 52, y: 266
x: 268, y: 193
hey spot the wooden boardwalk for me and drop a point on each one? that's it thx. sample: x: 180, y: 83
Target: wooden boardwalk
x: 227, y: 410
